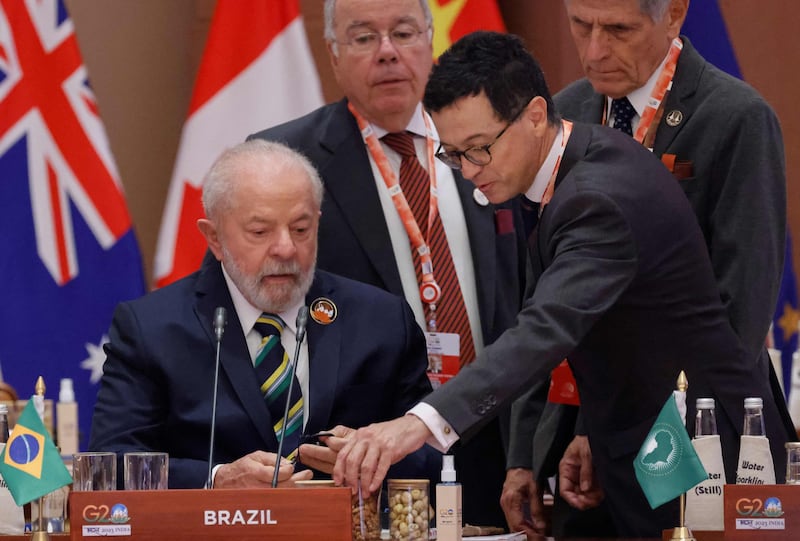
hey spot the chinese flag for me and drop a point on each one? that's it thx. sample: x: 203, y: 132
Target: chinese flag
x: 455, y: 18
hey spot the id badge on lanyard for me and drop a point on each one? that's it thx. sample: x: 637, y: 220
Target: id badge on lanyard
x: 444, y: 351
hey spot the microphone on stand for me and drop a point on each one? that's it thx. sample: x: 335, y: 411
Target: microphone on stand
x: 300, y: 323
x: 220, y: 319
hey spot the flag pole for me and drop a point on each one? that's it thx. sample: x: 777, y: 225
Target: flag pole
x: 681, y: 532
x: 39, y: 534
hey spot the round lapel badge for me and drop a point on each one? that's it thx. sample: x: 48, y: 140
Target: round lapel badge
x: 480, y: 197
x: 674, y: 118
x: 323, y: 311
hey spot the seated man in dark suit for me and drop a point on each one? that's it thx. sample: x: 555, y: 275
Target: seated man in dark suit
x: 624, y: 287
x: 363, y: 360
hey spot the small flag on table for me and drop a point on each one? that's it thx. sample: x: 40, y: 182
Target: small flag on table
x: 667, y: 464
x: 30, y: 463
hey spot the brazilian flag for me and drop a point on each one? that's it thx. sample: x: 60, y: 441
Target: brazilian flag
x: 30, y: 463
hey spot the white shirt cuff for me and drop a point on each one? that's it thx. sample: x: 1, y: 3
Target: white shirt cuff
x: 214, y: 474
x: 443, y: 436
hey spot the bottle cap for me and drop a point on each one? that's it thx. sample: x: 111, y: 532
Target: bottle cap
x: 753, y: 403
x: 448, y: 469
x: 705, y: 404
x: 66, y: 393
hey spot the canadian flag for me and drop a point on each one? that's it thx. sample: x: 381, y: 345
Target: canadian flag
x: 257, y: 71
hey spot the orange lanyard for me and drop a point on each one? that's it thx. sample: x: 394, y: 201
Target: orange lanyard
x: 429, y: 290
x: 566, y: 131
x: 662, y: 86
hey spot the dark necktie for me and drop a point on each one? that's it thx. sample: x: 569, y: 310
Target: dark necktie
x: 451, y: 314
x: 623, y: 113
x: 530, y: 214
x: 272, y: 367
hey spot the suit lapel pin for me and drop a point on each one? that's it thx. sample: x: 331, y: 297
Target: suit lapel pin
x: 674, y: 118
x: 323, y: 311
x: 480, y: 197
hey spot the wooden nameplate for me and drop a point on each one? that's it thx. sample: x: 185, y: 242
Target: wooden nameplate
x: 219, y: 514
x: 762, y: 512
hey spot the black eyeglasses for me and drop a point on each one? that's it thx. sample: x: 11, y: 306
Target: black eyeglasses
x: 477, y: 155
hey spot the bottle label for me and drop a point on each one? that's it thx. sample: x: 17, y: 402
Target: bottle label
x: 755, y: 462
x: 448, y: 511
x: 704, y: 502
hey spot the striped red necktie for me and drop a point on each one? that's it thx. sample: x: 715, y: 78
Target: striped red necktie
x: 451, y: 313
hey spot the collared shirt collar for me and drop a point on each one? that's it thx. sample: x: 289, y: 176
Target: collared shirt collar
x: 416, y: 125
x: 248, y: 314
x: 536, y: 191
x: 641, y: 95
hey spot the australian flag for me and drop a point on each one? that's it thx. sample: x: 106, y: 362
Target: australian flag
x: 68, y: 250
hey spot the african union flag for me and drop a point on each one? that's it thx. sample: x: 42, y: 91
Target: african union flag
x: 30, y: 463
x: 667, y: 464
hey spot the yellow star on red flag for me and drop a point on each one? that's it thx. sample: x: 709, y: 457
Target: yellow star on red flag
x: 455, y: 18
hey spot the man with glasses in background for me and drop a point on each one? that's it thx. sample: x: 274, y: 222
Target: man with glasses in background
x: 458, y: 260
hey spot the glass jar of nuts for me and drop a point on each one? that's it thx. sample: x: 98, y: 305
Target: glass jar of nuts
x: 366, y: 517
x: 364, y: 511
x: 409, y: 509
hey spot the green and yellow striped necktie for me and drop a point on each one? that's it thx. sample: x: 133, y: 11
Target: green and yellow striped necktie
x: 272, y: 365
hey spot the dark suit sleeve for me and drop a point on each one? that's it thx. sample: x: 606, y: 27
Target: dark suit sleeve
x: 526, y: 413
x: 124, y: 421
x: 590, y: 259
x: 748, y: 221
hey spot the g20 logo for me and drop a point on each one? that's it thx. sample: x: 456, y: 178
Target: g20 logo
x: 756, y: 507
x: 117, y: 514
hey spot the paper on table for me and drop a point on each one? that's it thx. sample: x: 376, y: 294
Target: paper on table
x: 518, y: 536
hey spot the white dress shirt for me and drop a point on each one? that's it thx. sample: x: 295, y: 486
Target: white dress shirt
x: 248, y: 314
x: 639, y: 97
x: 453, y: 221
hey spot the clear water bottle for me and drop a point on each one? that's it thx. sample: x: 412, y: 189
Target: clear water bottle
x: 3, y: 423
x: 793, y: 462
x: 754, y: 417
x: 705, y: 423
